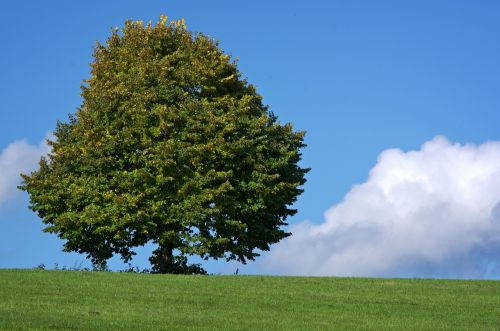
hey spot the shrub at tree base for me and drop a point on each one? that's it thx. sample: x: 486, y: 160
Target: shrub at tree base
x: 170, y: 146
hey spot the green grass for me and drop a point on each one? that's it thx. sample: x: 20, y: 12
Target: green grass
x: 74, y: 300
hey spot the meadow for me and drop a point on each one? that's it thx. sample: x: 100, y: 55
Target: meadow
x: 83, y: 300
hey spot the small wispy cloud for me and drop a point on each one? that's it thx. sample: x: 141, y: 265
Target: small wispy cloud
x: 18, y: 157
x: 433, y: 212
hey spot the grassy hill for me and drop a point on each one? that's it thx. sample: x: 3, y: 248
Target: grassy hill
x: 77, y: 300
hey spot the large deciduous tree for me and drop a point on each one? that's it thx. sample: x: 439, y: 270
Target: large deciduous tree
x: 172, y: 146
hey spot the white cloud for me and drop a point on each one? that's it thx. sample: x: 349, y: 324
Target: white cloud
x: 18, y: 157
x: 434, y: 212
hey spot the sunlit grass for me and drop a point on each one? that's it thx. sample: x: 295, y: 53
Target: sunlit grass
x: 77, y: 300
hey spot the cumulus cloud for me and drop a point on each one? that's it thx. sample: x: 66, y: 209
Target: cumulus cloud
x: 433, y: 212
x: 18, y: 157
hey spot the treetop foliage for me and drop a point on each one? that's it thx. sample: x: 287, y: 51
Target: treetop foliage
x: 172, y: 146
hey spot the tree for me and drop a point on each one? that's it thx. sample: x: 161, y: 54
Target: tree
x: 170, y: 146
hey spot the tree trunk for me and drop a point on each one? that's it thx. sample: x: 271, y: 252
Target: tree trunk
x: 165, y: 258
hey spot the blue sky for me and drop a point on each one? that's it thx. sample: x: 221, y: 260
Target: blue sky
x: 361, y: 77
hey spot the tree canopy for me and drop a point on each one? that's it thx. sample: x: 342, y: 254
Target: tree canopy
x: 172, y: 146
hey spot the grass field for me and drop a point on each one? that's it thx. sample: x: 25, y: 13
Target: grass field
x: 78, y: 300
